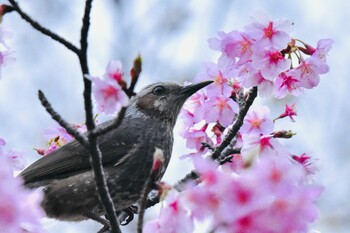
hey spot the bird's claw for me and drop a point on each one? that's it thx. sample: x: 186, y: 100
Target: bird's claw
x: 127, y: 215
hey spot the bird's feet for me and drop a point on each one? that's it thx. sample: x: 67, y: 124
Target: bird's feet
x: 127, y: 215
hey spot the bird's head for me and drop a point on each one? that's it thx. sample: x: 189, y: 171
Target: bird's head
x: 164, y: 100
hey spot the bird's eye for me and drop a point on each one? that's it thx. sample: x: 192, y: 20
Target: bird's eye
x: 158, y: 90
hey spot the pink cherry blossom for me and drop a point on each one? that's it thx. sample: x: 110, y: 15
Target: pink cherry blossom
x: 250, y: 77
x: 257, y: 121
x: 310, y: 70
x: 195, y: 137
x: 233, y: 45
x: 173, y: 217
x: 186, y: 119
x: 288, y: 82
x: 57, y: 133
x: 57, y: 136
x: 110, y: 97
x: 220, y: 85
x: 114, y: 71
x: 289, y: 111
x: 270, y: 197
x: 323, y: 47
x: 306, y: 162
x: 221, y: 109
x: 271, y: 63
x: 263, y: 145
x: 269, y: 33
x: 16, y: 158
x: 20, y: 209
x: 194, y: 106
x: 236, y: 164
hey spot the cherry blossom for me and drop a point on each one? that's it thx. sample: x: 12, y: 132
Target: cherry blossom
x: 173, y: 217
x: 221, y: 109
x: 322, y: 49
x: 307, y: 162
x: 263, y: 145
x: 110, y: 97
x: 269, y: 197
x: 288, y: 82
x: 194, y: 106
x: 20, y: 209
x: 257, y: 122
x: 195, y: 137
x: 269, y: 33
x: 16, y: 158
x: 271, y: 63
x: 289, y: 111
x: 220, y: 85
x: 114, y: 72
x: 310, y: 70
x: 233, y: 45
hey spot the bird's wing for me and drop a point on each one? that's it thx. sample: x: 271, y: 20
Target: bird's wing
x: 73, y: 158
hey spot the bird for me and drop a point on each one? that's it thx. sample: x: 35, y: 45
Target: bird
x: 65, y: 175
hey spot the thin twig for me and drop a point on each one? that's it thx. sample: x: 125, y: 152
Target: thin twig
x: 179, y: 186
x: 101, y: 184
x: 134, y: 74
x: 115, y: 123
x: 229, y: 151
x: 95, y: 153
x: 90, y: 123
x: 44, y: 30
x: 143, y: 203
x: 70, y: 129
x: 157, y: 166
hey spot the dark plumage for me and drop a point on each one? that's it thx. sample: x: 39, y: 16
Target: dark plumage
x: 127, y: 155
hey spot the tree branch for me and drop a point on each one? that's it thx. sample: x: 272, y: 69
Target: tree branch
x: 115, y: 123
x: 71, y: 130
x: 44, y: 30
x: 143, y: 203
x: 239, y: 122
x: 101, y: 184
x: 95, y: 153
x: 84, y: 66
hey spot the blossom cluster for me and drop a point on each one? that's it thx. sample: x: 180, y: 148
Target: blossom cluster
x: 269, y: 197
x: 262, y: 55
x: 20, y: 209
x: 262, y: 186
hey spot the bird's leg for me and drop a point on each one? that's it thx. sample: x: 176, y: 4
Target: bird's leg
x: 99, y: 219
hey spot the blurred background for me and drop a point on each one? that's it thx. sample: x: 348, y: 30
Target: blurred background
x: 172, y: 38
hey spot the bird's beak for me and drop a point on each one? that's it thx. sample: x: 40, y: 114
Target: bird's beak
x: 188, y: 90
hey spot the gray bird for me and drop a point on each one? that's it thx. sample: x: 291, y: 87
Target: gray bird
x: 127, y: 156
